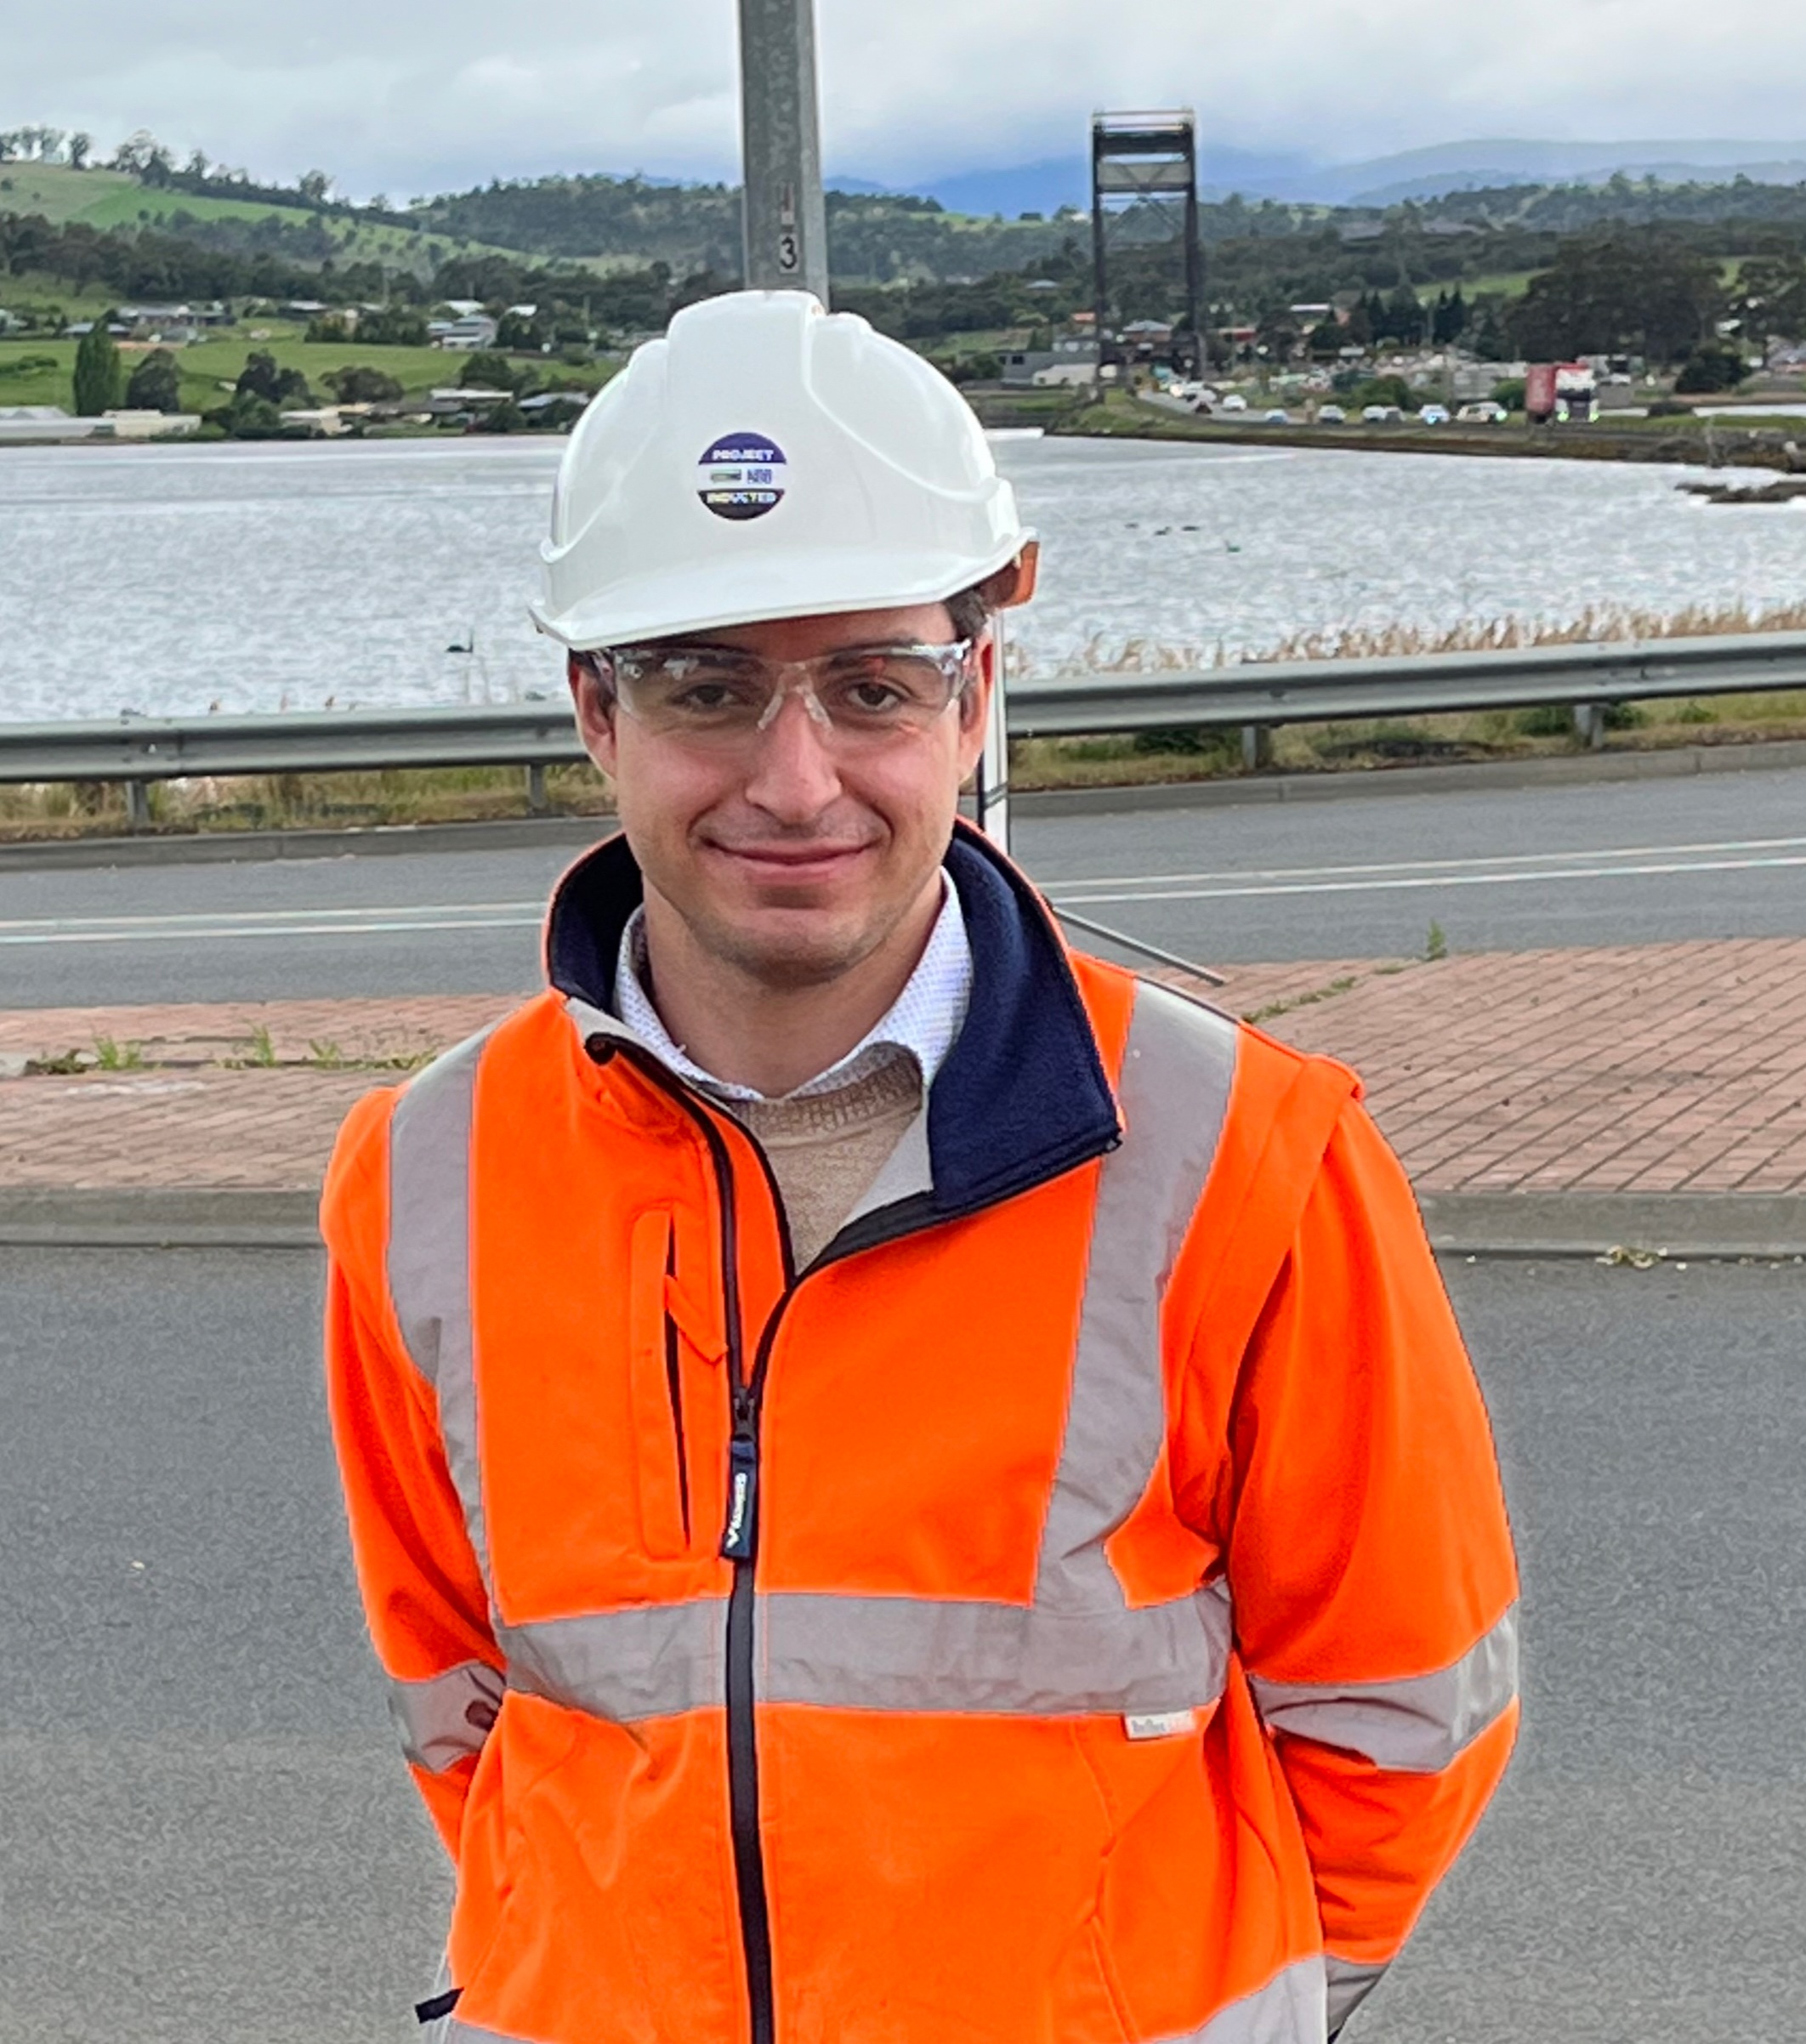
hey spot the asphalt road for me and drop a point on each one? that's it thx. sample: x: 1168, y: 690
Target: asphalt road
x: 209, y: 1839
x: 1628, y: 862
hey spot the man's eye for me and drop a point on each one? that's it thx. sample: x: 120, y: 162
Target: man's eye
x: 711, y: 694
x: 875, y: 695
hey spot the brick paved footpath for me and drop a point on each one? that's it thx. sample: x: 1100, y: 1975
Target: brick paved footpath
x: 1672, y: 1068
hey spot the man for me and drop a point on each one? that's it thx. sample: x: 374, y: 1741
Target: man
x: 910, y: 1488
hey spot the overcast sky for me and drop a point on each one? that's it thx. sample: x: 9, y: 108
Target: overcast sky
x: 406, y: 97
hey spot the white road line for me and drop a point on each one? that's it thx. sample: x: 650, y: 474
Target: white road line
x: 1439, y: 866
x: 1502, y: 870
x: 397, y: 922
x: 1423, y: 880
x: 266, y: 918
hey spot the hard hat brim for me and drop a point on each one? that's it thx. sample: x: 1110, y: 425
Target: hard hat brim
x: 819, y: 583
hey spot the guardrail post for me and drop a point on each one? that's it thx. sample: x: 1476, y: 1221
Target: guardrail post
x: 537, y: 788
x: 1257, y: 747
x: 138, y: 805
x: 1589, y: 722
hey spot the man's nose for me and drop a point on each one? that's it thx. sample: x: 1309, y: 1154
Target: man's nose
x: 793, y: 775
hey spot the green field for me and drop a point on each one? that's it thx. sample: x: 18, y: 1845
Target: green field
x: 209, y: 368
x: 1507, y: 283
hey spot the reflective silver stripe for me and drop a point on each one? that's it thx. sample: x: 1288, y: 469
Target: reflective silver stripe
x: 881, y: 1653
x: 446, y: 1718
x: 650, y: 1661
x: 1177, y: 1070
x: 430, y: 1258
x: 1415, y: 1726
x: 920, y: 1654
x: 1288, y: 2010
x: 1349, y: 1986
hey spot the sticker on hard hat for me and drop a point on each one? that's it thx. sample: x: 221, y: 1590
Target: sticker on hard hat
x: 741, y: 476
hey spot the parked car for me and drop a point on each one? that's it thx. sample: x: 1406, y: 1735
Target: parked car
x: 1484, y: 413
x: 1380, y: 415
x: 1332, y: 415
x: 1434, y: 414
x: 1276, y: 417
x: 1235, y: 401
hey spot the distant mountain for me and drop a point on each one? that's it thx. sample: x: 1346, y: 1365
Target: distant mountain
x: 1047, y: 185
x: 1418, y: 174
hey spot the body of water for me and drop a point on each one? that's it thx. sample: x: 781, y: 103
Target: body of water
x: 173, y: 580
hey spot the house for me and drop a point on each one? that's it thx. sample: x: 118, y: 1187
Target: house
x: 1072, y: 358
x: 469, y: 332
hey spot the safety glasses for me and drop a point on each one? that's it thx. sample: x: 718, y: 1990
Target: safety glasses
x: 860, y: 698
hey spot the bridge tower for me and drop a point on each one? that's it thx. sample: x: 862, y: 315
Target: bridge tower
x: 1143, y: 165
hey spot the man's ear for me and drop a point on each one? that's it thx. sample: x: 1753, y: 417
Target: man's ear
x: 595, y: 712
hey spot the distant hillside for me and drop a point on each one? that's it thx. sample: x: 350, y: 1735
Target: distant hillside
x: 874, y: 237
x: 209, y: 213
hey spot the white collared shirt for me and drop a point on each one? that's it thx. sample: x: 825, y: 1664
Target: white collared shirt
x: 921, y: 1022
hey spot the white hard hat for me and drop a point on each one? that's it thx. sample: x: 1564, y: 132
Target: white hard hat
x: 767, y: 459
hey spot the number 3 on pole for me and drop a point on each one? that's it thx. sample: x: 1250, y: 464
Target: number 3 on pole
x: 790, y: 256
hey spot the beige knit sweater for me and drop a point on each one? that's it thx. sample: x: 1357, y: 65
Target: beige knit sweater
x: 826, y: 1149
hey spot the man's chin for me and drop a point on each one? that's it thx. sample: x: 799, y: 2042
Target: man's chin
x: 795, y: 950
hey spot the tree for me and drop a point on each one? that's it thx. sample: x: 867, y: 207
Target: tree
x: 154, y: 384
x: 81, y: 147
x: 520, y: 330
x: 485, y: 370
x: 314, y: 185
x: 1403, y: 316
x: 1770, y: 298
x: 394, y: 327
x: 251, y: 417
x: 1618, y: 291
x: 1713, y: 366
x: 261, y: 378
x: 358, y: 384
x: 99, y: 378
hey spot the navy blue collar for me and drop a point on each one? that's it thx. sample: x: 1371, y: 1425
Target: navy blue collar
x: 1023, y: 1095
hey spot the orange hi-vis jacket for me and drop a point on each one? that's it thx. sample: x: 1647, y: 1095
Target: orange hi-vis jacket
x: 1077, y: 1608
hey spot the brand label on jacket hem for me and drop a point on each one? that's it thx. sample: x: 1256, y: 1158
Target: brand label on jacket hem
x: 1160, y: 1724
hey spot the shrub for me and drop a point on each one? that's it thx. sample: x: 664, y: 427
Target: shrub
x: 357, y: 384
x: 1713, y: 366
x: 155, y: 385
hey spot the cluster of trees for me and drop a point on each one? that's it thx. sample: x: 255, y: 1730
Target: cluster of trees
x: 45, y: 145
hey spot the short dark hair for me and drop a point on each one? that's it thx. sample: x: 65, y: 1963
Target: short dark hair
x: 970, y: 610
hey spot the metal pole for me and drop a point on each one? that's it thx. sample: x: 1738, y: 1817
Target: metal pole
x: 1100, y: 286
x: 1194, y: 264
x: 992, y: 784
x: 785, y: 218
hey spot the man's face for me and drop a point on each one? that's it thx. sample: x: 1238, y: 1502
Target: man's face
x: 791, y: 857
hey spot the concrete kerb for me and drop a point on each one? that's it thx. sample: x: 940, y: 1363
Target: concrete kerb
x: 574, y: 832
x: 1704, y: 1227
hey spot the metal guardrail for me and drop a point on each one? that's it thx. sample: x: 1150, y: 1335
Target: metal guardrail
x: 1256, y: 697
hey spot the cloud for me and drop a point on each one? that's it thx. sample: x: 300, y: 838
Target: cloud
x: 404, y: 96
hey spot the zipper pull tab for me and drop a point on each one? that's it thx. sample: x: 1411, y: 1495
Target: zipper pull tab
x: 736, y: 1541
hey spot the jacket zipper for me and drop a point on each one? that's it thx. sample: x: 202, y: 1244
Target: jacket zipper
x: 739, y: 1544
x: 740, y: 1534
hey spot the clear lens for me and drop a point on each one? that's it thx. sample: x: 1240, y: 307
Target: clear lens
x: 713, y: 695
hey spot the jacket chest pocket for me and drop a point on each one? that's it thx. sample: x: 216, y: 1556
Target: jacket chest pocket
x: 674, y: 1386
